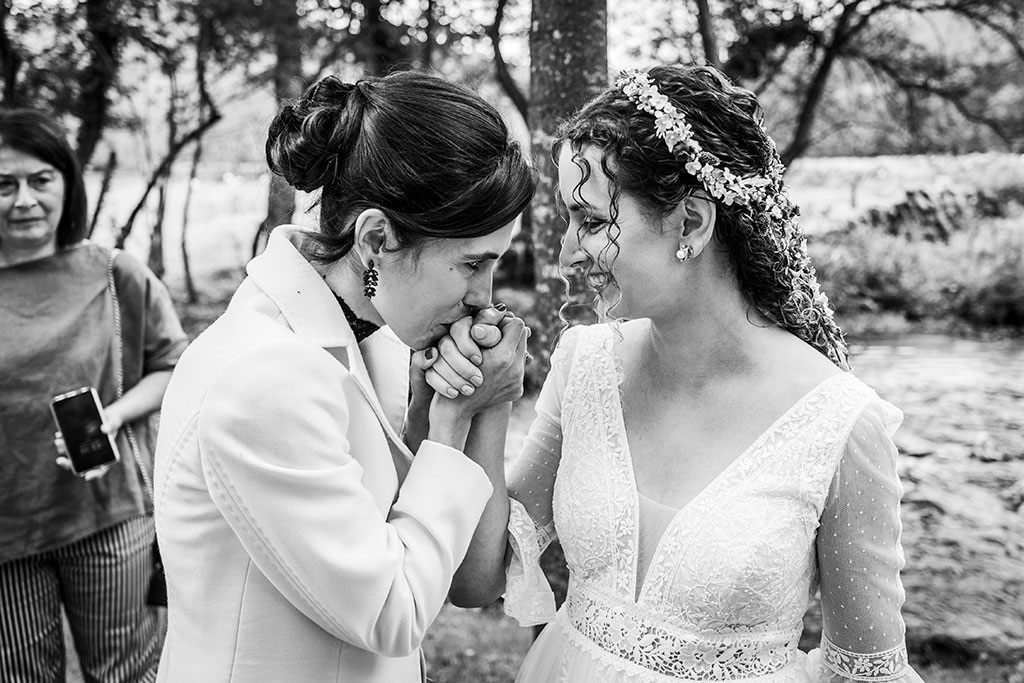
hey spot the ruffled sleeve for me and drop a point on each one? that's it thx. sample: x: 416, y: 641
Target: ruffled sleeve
x: 860, y: 557
x: 531, y: 481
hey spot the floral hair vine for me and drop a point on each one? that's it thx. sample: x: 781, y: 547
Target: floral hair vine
x: 767, y: 191
x: 724, y: 185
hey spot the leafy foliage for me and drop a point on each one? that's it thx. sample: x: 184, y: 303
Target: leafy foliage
x: 972, y: 282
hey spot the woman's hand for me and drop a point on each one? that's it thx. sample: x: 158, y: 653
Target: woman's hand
x: 65, y: 462
x: 500, y: 372
x: 455, y: 368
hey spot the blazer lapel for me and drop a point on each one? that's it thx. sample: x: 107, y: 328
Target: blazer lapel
x: 400, y: 453
x: 309, y: 307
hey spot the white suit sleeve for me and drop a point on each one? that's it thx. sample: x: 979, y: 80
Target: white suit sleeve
x: 273, y: 434
x: 528, y: 596
x: 860, y: 557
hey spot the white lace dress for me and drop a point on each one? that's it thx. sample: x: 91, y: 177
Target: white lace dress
x: 715, y: 591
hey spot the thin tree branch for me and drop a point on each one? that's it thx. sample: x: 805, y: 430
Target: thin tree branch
x: 163, y: 168
x: 952, y: 95
x: 707, y: 34
x: 508, y: 84
x: 815, y: 91
x: 1006, y: 34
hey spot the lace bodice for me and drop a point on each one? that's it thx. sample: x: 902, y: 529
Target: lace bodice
x: 720, y: 593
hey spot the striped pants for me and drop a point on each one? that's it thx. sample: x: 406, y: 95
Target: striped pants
x: 101, y: 582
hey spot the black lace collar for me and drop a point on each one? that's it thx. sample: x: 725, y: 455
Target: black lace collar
x: 361, y: 328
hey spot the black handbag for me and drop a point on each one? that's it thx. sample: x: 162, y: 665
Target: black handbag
x: 156, y: 595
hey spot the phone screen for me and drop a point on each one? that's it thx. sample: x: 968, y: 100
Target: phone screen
x: 78, y: 417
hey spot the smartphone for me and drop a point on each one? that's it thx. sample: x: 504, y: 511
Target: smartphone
x: 79, y: 417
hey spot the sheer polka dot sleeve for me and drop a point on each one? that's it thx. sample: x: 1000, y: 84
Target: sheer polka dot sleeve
x: 531, y: 481
x: 860, y: 557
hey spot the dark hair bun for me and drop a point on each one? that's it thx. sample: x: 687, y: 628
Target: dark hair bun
x: 307, y: 139
x: 434, y: 157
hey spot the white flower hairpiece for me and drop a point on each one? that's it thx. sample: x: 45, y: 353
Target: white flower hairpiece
x: 721, y: 183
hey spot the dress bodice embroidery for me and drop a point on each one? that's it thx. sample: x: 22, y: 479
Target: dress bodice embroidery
x: 730, y: 576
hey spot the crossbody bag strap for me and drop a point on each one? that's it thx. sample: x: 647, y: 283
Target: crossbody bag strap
x: 119, y: 370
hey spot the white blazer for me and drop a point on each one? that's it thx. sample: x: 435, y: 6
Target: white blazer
x: 301, y: 539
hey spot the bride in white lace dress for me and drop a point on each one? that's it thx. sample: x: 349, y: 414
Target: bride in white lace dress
x: 710, y: 464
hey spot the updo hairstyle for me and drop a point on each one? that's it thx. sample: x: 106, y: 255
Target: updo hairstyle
x: 768, y: 253
x: 434, y: 157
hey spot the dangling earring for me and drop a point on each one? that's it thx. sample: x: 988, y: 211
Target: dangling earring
x: 370, y: 281
x: 684, y: 253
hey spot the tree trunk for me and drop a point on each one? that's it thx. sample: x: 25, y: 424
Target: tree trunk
x: 108, y: 175
x: 430, y: 29
x: 190, y: 285
x: 568, y: 65
x: 707, y: 34
x: 104, y: 45
x: 374, y: 40
x: 288, y: 85
x: 10, y: 60
x: 156, y: 240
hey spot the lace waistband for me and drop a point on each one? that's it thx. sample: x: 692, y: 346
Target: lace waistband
x: 624, y: 631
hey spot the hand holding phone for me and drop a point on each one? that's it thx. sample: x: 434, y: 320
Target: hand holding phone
x: 88, y: 450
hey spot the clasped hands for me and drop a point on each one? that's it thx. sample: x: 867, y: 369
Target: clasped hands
x: 480, y: 362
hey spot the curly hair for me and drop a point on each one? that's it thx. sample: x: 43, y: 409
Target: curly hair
x: 768, y: 253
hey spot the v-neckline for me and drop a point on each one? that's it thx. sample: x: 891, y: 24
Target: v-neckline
x: 640, y: 585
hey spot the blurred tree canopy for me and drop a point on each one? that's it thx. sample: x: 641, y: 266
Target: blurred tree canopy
x: 853, y: 76
x: 856, y: 77
x: 835, y: 76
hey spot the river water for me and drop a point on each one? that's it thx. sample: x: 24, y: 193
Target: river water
x: 951, y: 390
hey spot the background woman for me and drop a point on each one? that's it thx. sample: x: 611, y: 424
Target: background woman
x: 302, y: 541
x: 710, y: 463
x: 84, y: 544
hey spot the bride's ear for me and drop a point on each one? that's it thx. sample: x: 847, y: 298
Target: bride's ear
x: 370, y: 235
x: 694, y: 220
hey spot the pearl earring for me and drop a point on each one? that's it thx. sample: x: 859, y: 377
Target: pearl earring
x: 684, y: 253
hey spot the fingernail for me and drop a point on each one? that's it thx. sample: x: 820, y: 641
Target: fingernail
x: 477, y: 360
x: 477, y: 380
x: 479, y: 332
x: 500, y: 306
x: 429, y: 353
x: 451, y: 392
x: 467, y: 390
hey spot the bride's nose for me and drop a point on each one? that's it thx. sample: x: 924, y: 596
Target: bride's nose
x: 572, y: 255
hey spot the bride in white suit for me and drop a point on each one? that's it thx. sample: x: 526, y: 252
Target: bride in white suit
x: 302, y: 539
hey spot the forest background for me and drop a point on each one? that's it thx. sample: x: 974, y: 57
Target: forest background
x: 901, y: 122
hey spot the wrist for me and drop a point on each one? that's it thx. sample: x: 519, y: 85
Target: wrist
x: 497, y: 412
x: 449, y: 424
